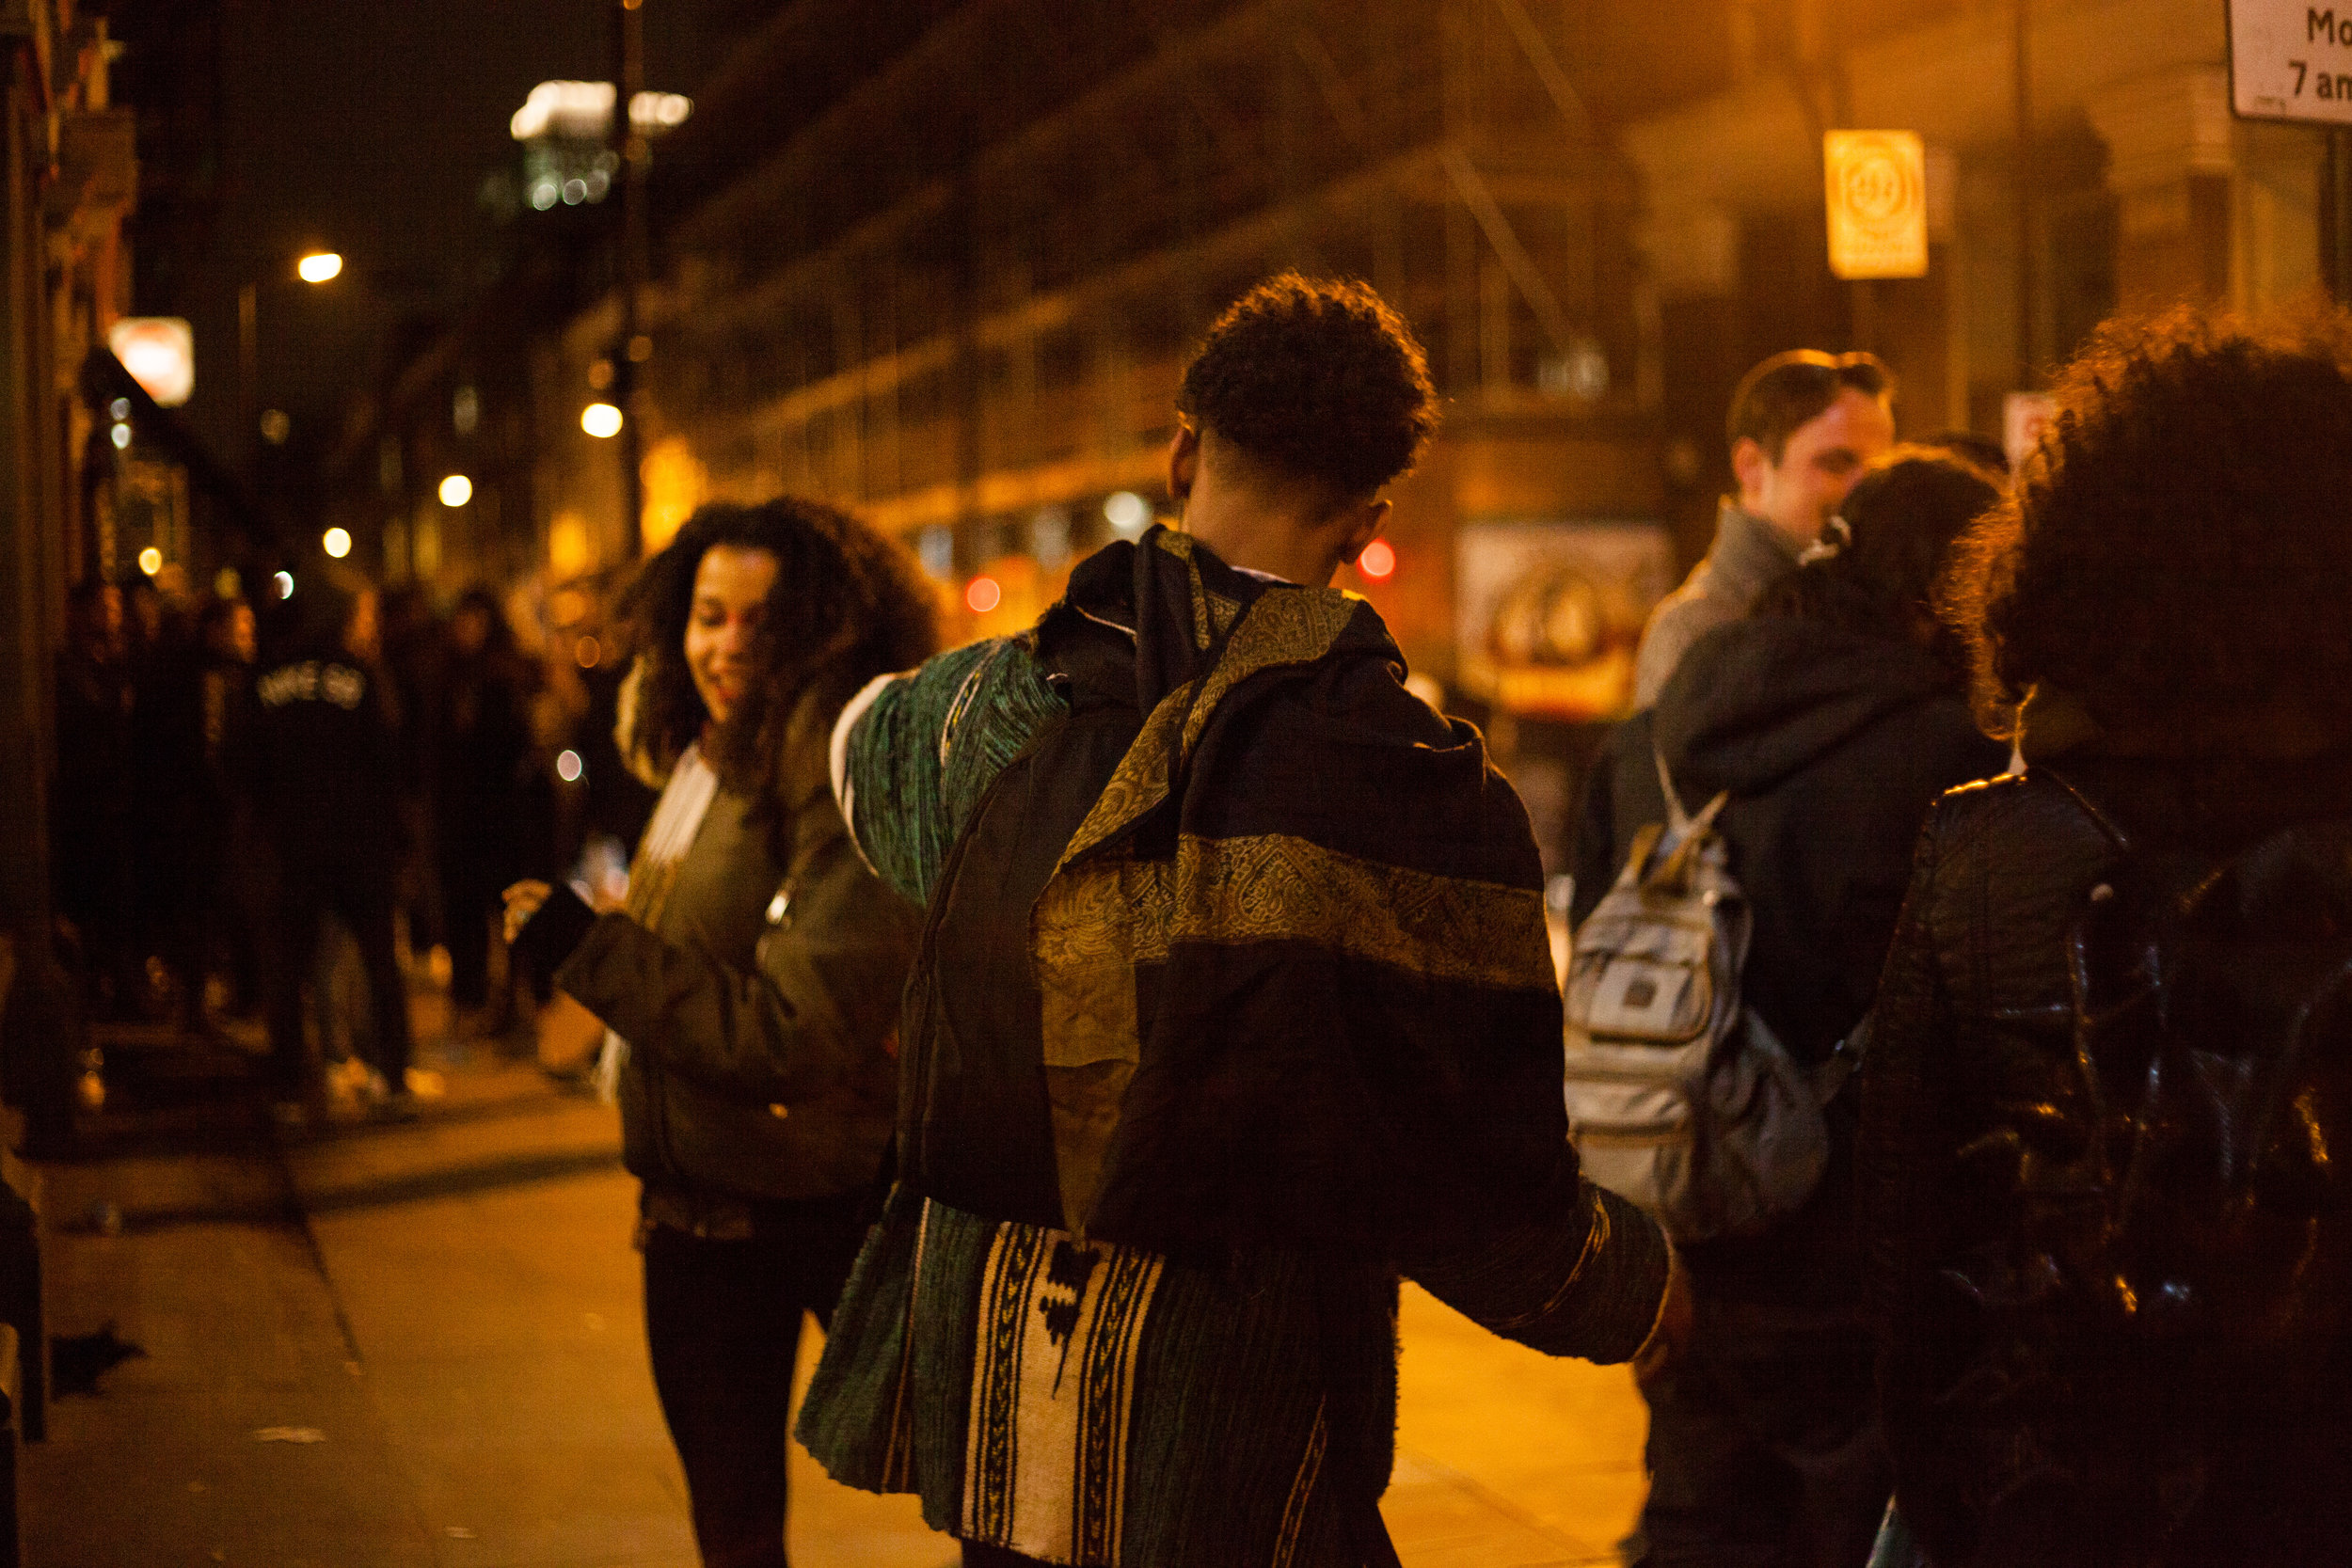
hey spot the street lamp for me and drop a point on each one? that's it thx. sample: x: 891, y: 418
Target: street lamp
x: 456, y: 490
x: 600, y: 419
x: 314, y: 267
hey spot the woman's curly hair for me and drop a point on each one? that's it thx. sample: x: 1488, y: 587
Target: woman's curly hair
x: 2177, y: 553
x: 1321, y: 379
x: 847, y: 605
x: 1900, y: 523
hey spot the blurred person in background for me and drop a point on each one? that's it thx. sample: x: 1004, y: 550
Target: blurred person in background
x: 90, y: 824
x: 175, y: 814
x: 325, y: 780
x: 752, y: 982
x: 481, y: 771
x: 228, y: 912
x: 412, y: 659
x: 2100, y: 1173
x: 1834, y: 715
x: 1802, y: 427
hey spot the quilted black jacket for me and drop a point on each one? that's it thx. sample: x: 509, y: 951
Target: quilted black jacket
x: 1974, y: 1133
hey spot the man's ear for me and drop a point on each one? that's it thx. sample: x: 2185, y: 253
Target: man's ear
x: 1749, y: 467
x: 1363, y: 524
x: 1184, y: 463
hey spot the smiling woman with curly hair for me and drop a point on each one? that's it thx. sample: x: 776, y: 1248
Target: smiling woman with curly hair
x: 750, y: 987
x: 2110, y: 1326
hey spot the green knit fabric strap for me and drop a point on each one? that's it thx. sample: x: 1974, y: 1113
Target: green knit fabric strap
x: 925, y: 750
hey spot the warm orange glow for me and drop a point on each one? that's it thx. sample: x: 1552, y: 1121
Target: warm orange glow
x: 1378, y: 562
x: 983, y: 594
x: 676, y: 483
x: 570, y: 551
x: 320, y: 267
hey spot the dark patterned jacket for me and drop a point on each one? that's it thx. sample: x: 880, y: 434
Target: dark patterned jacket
x: 1235, y: 1002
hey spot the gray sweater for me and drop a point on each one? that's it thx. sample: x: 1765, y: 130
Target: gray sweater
x: 1748, y: 557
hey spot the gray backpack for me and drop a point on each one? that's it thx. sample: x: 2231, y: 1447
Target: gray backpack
x: 1680, y: 1098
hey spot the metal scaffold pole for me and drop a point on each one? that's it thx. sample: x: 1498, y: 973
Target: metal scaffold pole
x: 634, y: 350
x: 2340, y: 216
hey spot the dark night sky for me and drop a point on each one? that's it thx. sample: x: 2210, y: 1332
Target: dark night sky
x: 369, y: 126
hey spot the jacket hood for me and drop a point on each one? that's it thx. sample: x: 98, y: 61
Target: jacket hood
x: 1754, y: 701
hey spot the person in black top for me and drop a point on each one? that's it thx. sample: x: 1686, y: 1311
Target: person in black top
x: 325, y: 783
x: 1834, y: 715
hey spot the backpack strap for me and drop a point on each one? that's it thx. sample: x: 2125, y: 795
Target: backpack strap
x: 1685, y: 833
x: 1681, y: 821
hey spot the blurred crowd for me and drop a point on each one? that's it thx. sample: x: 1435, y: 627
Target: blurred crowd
x: 286, y: 808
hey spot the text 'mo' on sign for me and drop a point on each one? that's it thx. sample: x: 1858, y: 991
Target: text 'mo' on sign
x: 2290, y: 61
x: 1878, y: 202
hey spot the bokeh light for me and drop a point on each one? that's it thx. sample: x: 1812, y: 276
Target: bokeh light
x: 1378, y: 562
x: 983, y: 594
x: 600, y: 419
x: 1128, y: 514
x: 319, y: 266
x: 336, y: 542
x: 150, y: 561
x: 456, y: 490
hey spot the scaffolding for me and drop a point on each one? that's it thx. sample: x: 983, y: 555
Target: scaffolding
x: 959, y: 298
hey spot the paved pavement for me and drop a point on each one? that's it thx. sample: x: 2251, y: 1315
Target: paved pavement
x: 423, y: 1345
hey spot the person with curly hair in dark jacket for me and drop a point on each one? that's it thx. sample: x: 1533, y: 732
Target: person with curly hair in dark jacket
x: 751, y: 985
x: 2158, y: 616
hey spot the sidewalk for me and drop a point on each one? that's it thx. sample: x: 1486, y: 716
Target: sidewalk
x: 422, y: 1344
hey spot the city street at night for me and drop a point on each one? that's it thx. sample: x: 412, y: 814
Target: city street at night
x: 1175, y: 783
x: 424, y: 1344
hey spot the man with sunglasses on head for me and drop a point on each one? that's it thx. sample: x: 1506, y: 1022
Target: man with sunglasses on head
x: 1802, y: 426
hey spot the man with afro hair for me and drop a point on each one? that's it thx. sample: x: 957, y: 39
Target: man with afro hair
x: 1234, y: 1004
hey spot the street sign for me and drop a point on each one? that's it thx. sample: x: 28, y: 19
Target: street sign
x: 1878, y: 202
x: 2291, y: 62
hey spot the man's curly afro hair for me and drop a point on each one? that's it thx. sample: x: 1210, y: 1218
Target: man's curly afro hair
x: 1321, y: 380
x: 2176, y: 555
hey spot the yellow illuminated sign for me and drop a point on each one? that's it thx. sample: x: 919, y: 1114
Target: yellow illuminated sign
x: 1878, y: 203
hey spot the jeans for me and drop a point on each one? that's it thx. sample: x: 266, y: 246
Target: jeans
x: 1764, y: 1445
x: 723, y: 1322
x: 363, y: 896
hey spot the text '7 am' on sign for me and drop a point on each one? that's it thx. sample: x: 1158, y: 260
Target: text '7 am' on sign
x: 2291, y: 62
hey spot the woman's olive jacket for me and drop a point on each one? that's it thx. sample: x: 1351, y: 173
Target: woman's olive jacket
x: 760, y: 1010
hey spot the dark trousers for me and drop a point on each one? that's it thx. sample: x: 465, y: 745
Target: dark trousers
x: 978, y: 1556
x: 362, y: 898
x: 1764, y: 1445
x: 470, y: 897
x: 722, y: 1320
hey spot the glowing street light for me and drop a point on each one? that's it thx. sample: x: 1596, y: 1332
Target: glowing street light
x: 600, y: 419
x: 336, y: 542
x: 150, y: 561
x: 319, y: 266
x: 456, y: 490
